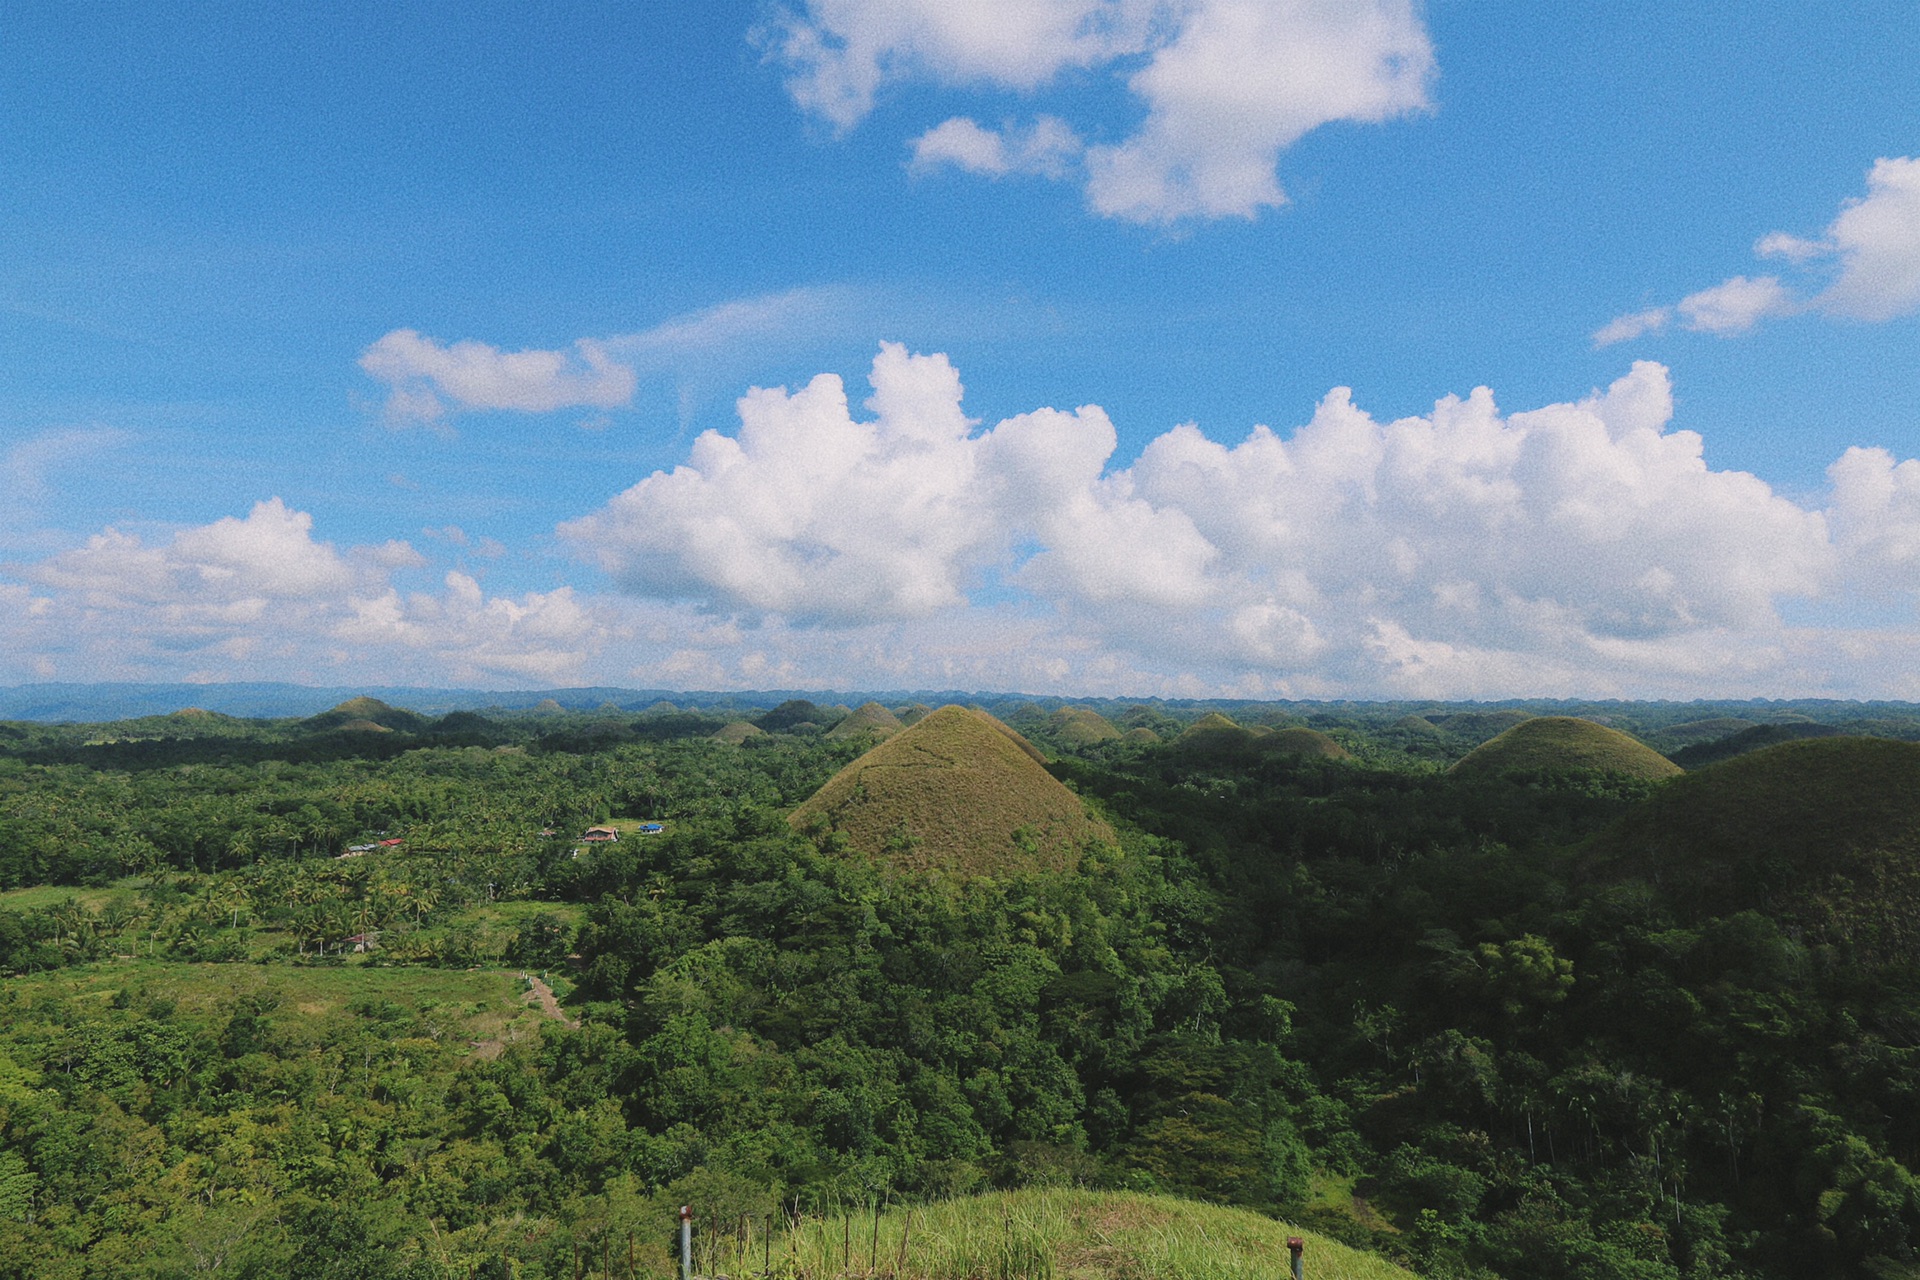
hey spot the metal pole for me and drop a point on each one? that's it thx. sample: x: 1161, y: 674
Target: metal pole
x: 686, y: 1242
x: 1296, y: 1245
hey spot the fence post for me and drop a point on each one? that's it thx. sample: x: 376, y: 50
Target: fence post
x: 1296, y: 1245
x: 686, y: 1242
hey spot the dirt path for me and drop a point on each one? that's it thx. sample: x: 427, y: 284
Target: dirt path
x: 550, y: 1006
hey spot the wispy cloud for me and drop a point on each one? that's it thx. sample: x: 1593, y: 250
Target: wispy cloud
x: 429, y: 381
x: 1870, y: 255
x: 25, y: 467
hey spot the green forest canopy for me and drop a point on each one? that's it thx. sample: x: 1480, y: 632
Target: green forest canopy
x: 1538, y: 1022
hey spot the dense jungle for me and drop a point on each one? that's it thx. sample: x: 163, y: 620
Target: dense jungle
x: 1632, y: 993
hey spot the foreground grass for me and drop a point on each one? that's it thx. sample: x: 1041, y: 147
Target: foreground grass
x: 1043, y: 1234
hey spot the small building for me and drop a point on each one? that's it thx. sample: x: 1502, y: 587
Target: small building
x: 652, y: 828
x: 600, y: 835
x: 360, y: 942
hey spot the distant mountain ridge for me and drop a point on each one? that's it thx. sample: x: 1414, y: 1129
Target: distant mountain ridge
x: 90, y: 703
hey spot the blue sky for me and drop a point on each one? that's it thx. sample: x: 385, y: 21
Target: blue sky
x: 365, y: 347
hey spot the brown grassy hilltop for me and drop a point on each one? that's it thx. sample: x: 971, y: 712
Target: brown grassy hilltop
x: 958, y: 791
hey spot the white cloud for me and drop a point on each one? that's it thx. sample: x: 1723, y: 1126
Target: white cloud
x: 1877, y: 241
x: 1872, y: 248
x: 259, y: 597
x: 429, y: 381
x: 1046, y: 147
x: 1243, y: 81
x: 1628, y: 327
x: 1227, y: 84
x: 1578, y: 540
x: 1583, y: 548
x: 1736, y: 305
x: 842, y: 51
x: 427, y: 378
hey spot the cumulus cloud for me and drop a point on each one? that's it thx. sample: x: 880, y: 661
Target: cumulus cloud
x: 1871, y: 251
x: 1227, y: 85
x: 1580, y: 548
x: 1531, y: 549
x: 253, y: 595
x: 1876, y: 241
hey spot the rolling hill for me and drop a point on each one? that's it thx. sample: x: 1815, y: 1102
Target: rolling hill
x: 1818, y: 825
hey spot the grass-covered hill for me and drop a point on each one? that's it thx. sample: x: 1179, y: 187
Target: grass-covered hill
x: 869, y: 719
x: 958, y: 791
x: 1214, y: 735
x: 358, y: 714
x: 1080, y: 726
x: 1300, y: 742
x: 1037, y: 1233
x: 738, y: 731
x: 1558, y: 744
x: 1803, y: 829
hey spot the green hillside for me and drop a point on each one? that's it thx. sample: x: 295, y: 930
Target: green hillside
x: 1753, y: 738
x: 1043, y: 1232
x: 1774, y: 829
x: 1479, y: 726
x: 958, y: 791
x: 1556, y: 744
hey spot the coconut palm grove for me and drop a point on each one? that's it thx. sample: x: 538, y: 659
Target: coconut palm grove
x: 965, y: 989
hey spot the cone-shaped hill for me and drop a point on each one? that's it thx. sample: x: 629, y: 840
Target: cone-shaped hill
x: 737, y: 732
x: 958, y: 792
x: 1081, y: 726
x: 1555, y: 744
x: 356, y: 713
x: 1782, y: 830
x: 1214, y: 734
x: 868, y: 718
x: 1300, y: 742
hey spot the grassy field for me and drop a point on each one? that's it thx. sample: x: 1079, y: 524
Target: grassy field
x: 485, y: 1009
x: 1042, y: 1234
x: 40, y: 897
